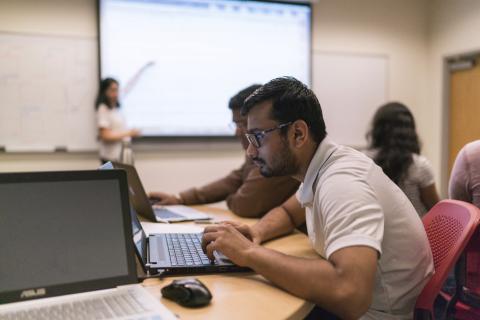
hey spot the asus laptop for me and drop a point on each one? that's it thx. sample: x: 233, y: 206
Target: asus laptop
x: 66, y: 249
x: 141, y: 203
x: 176, y: 253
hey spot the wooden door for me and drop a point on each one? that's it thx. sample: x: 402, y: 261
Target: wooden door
x: 464, y: 109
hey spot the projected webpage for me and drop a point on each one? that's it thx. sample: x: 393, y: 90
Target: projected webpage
x: 179, y: 62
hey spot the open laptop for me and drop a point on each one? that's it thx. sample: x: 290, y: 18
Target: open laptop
x: 66, y: 249
x: 176, y: 253
x: 141, y: 203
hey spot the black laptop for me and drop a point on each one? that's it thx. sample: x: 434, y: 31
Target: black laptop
x: 176, y: 253
x: 141, y: 203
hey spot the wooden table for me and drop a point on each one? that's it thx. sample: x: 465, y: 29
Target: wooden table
x: 238, y: 296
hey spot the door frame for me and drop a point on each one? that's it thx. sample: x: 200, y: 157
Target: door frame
x: 445, y: 123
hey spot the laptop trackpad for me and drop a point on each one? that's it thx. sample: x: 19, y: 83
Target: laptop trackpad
x: 158, y: 251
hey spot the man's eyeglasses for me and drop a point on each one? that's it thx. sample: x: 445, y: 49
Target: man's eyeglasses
x: 255, y: 138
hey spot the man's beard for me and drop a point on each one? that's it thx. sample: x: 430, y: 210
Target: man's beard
x: 283, y: 164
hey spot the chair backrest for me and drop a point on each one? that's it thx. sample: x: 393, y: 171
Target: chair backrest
x: 449, y: 225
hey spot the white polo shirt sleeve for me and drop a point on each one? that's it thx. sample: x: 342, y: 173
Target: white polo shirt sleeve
x: 423, y: 171
x: 351, y: 214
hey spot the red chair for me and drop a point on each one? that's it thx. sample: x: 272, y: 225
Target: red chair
x: 449, y: 225
x: 467, y: 306
x: 466, y: 312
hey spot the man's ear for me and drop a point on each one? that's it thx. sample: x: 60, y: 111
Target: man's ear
x: 300, y: 133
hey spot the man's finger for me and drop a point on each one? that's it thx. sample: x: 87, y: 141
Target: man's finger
x: 209, y: 229
x: 211, y: 247
x: 230, y: 223
x: 154, y: 194
x: 207, y: 238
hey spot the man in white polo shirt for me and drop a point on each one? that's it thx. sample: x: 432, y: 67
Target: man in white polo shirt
x: 377, y: 256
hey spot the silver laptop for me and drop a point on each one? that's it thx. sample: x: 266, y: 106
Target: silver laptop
x: 66, y: 248
x: 141, y: 203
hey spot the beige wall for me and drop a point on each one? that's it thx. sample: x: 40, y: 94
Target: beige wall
x: 414, y: 34
x: 397, y: 29
x: 454, y: 26
x: 165, y: 170
x: 58, y: 17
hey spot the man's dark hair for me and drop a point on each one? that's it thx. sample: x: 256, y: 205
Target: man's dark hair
x: 236, y: 102
x: 291, y: 101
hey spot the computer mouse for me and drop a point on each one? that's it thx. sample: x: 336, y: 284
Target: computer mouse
x: 187, y: 292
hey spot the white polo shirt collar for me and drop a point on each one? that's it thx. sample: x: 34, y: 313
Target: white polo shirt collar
x: 321, y: 157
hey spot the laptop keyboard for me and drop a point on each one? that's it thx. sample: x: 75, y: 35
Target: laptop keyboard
x: 106, y: 307
x: 185, y: 249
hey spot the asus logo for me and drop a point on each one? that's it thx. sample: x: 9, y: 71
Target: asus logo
x: 33, y: 293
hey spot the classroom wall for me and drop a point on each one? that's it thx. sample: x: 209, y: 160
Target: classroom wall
x: 414, y: 34
x: 397, y: 29
x: 454, y: 25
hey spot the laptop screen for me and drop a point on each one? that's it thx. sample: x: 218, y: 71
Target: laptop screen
x: 138, y: 197
x: 63, y: 229
x: 139, y: 237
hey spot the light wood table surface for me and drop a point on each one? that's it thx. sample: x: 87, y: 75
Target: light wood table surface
x: 237, y: 295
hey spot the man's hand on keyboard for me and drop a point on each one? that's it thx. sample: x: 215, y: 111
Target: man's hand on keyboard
x: 162, y: 198
x: 226, y: 239
x: 244, y: 229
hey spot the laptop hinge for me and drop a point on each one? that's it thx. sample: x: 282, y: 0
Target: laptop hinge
x: 148, y: 264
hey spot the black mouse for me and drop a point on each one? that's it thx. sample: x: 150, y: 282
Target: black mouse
x: 187, y: 292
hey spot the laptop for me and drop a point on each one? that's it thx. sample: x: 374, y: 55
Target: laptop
x: 66, y: 249
x: 141, y: 203
x: 176, y: 253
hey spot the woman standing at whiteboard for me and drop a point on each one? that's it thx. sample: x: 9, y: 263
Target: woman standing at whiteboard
x: 394, y: 146
x: 112, y: 129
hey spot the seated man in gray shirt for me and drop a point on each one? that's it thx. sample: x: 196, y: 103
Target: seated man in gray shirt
x: 377, y: 255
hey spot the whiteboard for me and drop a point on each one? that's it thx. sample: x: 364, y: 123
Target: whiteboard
x: 47, y: 91
x: 48, y: 86
x: 350, y: 87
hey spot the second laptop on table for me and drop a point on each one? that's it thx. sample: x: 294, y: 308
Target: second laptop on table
x: 141, y: 203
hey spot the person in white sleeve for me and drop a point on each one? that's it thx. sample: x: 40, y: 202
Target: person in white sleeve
x: 395, y: 147
x: 113, y: 133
